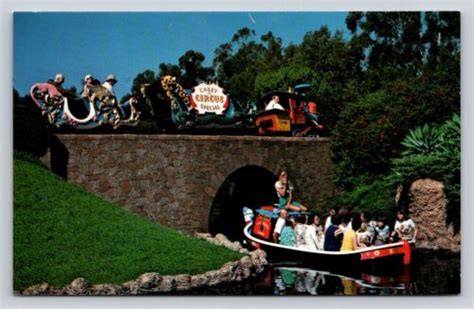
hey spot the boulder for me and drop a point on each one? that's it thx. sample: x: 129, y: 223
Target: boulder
x: 78, y: 286
x: 258, y: 259
x: 37, y: 289
x: 213, y: 277
x: 198, y: 281
x: 221, y: 238
x: 427, y: 206
x: 167, y: 284
x: 105, y: 289
x: 203, y: 235
x: 148, y: 280
x: 245, y: 265
x: 131, y: 288
x: 183, y: 282
x: 226, y: 271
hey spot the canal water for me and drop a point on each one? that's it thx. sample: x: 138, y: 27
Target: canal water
x: 433, y: 273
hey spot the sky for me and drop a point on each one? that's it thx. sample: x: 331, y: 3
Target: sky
x: 126, y: 44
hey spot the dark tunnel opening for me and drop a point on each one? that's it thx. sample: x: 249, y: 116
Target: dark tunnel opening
x: 250, y: 186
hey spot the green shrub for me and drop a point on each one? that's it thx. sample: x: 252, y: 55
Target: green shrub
x: 442, y: 162
x: 377, y: 198
x: 422, y: 140
x: 370, y: 129
x: 431, y: 151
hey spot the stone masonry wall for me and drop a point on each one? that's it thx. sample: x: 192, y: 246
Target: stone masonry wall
x: 173, y: 179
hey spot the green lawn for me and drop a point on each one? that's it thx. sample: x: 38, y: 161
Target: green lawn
x: 62, y: 232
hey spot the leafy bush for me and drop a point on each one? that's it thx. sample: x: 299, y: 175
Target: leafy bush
x: 370, y: 129
x: 431, y: 151
x: 442, y: 162
x: 376, y: 198
x: 423, y: 140
x: 31, y: 132
x: 363, y: 141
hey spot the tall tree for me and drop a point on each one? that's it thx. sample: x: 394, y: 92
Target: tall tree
x: 193, y: 71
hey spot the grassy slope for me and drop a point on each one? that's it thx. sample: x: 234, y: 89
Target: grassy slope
x: 62, y: 232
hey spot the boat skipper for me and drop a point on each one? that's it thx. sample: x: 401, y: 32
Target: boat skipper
x: 284, y: 190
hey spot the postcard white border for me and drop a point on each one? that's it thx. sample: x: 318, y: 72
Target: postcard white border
x: 6, y: 138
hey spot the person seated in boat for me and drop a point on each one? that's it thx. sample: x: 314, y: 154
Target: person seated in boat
x: 363, y: 237
x: 280, y: 223
x: 248, y: 215
x: 346, y: 219
x: 274, y: 104
x: 284, y: 189
x: 332, y: 212
x: 300, y: 231
x: 333, y: 235
x: 382, y: 232
x: 349, y: 242
x: 287, y: 236
x: 365, y: 217
x: 404, y: 228
x: 314, y: 235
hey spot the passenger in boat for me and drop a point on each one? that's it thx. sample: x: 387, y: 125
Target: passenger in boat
x: 349, y: 241
x: 314, y: 235
x: 332, y: 212
x: 346, y: 219
x: 333, y: 236
x: 284, y: 189
x: 363, y: 237
x: 287, y: 236
x: 300, y: 232
x: 274, y: 104
x: 280, y: 223
x: 404, y: 228
x: 366, y: 218
x: 382, y: 232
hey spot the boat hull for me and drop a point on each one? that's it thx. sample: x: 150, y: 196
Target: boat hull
x: 387, y: 256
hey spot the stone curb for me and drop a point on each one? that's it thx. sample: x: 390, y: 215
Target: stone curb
x: 222, y: 240
x: 152, y: 282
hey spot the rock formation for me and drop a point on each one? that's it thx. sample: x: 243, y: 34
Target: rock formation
x: 222, y: 240
x: 427, y: 206
x: 152, y: 283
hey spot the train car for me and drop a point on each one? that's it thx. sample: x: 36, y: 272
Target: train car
x: 297, y: 117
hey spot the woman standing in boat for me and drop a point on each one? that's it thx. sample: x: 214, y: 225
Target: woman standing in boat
x: 284, y: 189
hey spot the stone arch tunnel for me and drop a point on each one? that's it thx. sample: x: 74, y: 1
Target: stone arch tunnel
x: 187, y: 181
x: 250, y: 186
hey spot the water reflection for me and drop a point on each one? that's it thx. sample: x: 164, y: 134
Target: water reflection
x: 300, y: 281
x: 430, y: 274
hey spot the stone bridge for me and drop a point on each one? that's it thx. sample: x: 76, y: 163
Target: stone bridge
x: 189, y: 182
